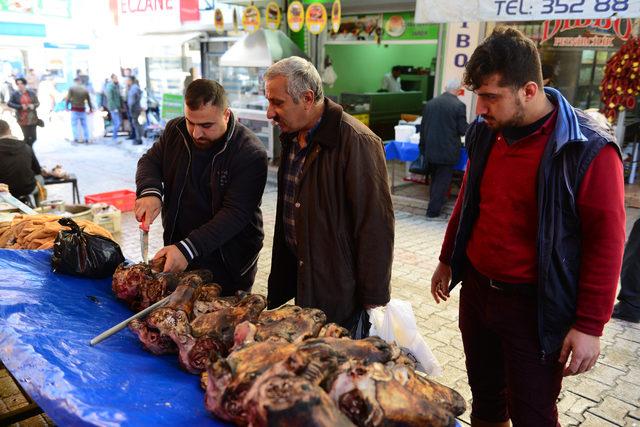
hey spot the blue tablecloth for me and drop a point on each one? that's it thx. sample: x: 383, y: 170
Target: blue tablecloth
x: 408, y: 152
x: 46, y: 322
x: 404, y: 151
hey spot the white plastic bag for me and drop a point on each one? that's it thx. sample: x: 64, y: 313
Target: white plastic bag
x: 395, y: 323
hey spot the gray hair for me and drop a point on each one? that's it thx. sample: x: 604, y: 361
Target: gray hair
x: 453, y: 84
x: 301, y: 76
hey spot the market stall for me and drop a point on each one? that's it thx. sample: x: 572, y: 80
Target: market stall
x: 46, y: 322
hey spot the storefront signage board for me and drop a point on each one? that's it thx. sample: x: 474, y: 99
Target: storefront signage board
x: 462, y: 39
x: 251, y: 19
x: 438, y: 11
x: 316, y: 18
x: 295, y: 16
x: 336, y: 14
x: 401, y: 26
x: 218, y: 21
x: 273, y: 16
x: 172, y: 106
x: 158, y: 15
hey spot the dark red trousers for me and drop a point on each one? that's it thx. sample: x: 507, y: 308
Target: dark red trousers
x: 508, y: 375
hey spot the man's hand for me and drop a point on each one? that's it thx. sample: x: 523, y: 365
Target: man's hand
x: 440, y: 282
x: 174, y: 262
x: 148, y: 208
x: 584, y: 350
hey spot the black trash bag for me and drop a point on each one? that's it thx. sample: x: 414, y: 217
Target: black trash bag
x: 82, y: 254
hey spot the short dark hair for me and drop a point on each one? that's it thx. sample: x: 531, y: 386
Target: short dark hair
x: 547, y: 71
x: 506, y: 52
x: 21, y: 80
x: 201, y: 92
x: 396, y: 68
x: 4, y: 128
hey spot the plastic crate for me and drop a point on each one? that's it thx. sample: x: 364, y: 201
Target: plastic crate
x: 124, y: 200
x: 111, y: 221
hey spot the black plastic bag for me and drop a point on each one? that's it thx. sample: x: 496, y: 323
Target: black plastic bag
x: 82, y: 254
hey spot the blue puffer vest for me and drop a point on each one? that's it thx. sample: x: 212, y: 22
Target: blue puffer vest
x: 576, y: 141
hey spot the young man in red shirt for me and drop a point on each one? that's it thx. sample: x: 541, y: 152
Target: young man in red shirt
x: 536, y: 237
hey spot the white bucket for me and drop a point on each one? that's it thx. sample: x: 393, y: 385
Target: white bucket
x: 404, y: 132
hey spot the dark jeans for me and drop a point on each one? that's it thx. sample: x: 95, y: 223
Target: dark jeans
x: 440, y: 181
x: 629, y: 294
x: 508, y: 376
x: 29, y: 133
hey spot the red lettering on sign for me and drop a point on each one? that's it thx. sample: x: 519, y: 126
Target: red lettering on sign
x: 551, y: 28
x: 144, y: 6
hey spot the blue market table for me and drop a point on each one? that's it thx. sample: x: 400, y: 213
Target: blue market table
x: 46, y: 322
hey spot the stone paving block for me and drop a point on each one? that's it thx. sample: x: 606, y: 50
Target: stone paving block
x: 631, y: 422
x: 612, y: 409
x: 588, y: 388
x: 627, y: 392
x: 618, y: 357
x: 15, y: 401
x: 635, y: 414
x: 8, y: 387
x: 604, y: 374
x: 630, y: 334
x: 37, y: 421
x: 633, y: 376
x: 573, y: 404
x: 452, y: 375
x: 591, y: 420
x: 566, y: 420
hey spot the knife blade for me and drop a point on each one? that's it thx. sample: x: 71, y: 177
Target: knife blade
x: 144, y: 240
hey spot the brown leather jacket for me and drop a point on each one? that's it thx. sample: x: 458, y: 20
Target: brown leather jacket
x: 344, y: 223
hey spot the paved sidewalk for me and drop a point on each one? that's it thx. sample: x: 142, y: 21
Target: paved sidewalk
x: 608, y: 395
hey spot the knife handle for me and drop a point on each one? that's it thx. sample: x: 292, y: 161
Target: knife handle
x: 143, y: 226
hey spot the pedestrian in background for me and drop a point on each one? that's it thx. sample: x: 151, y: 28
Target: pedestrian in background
x: 333, y: 239
x: 536, y: 237
x: 134, y: 95
x: 25, y: 102
x: 444, y: 121
x: 77, y: 101
x: 114, y: 103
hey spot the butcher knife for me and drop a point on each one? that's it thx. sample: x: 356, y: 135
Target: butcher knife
x: 144, y: 240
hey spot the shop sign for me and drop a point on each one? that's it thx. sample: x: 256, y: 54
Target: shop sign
x: 358, y: 28
x: 251, y: 19
x: 273, y: 16
x: 551, y: 28
x: 172, y: 106
x: 218, y: 21
x: 401, y: 26
x: 462, y: 40
x: 438, y: 11
x: 26, y: 6
x: 159, y: 14
x: 316, y: 18
x: 295, y: 16
x: 336, y: 14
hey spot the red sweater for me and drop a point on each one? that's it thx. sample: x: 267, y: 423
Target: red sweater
x: 503, y: 242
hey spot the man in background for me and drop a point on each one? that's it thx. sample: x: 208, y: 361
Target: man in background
x: 391, y: 81
x: 444, y: 121
x: 114, y: 103
x: 134, y: 95
x: 78, y: 100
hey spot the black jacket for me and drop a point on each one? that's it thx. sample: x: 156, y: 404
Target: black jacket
x: 444, y: 121
x: 575, y: 142
x: 24, y: 117
x: 18, y: 166
x: 238, y: 178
